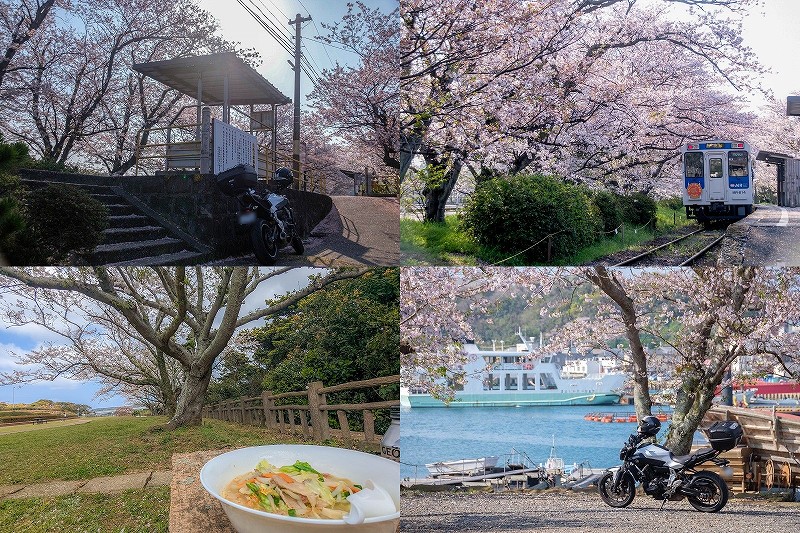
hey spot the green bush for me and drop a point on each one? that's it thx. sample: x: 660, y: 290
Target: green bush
x: 638, y: 208
x: 12, y: 155
x: 609, y: 206
x: 60, y: 219
x: 513, y: 213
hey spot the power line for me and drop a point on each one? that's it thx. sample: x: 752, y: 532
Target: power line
x: 275, y: 34
x: 333, y: 45
x: 318, y: 35
x: 278, y: 21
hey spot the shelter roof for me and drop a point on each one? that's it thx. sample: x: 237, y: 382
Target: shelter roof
x: 245, y: 85
x: 772, y: 157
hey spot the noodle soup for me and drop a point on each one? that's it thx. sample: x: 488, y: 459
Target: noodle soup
x: 297, y: 490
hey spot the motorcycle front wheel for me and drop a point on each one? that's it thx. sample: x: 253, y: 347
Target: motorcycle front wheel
x: 623, y: 496
x: 712, y: 492
x: 263, y: 241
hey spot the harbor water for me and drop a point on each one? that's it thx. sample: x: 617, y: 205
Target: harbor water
x: 429, y: 435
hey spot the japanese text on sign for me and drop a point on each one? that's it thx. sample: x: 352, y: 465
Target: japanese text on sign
x: 233, y: 147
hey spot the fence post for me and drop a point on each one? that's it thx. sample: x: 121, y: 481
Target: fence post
x: 319, y: 418
x: 345, y: 426
x: 369, y: 426
x: 266, y: 405
x: 241, y: 408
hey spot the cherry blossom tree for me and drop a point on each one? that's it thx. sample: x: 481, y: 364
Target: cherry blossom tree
x: 722, y: 314
x: 77, y: 88
x: 19, y: 22
x: 601, y: 91
x: 188, y: 315
x: 359, y: 105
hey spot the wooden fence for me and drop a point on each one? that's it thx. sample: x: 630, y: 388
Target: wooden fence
x: 311, y: 419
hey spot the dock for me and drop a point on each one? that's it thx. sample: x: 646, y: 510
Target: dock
x: 423, y: 483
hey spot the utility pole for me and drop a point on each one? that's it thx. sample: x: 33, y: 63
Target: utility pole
x: 297, y: 23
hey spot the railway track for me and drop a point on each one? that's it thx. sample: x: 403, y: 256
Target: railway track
x: 686, y: 250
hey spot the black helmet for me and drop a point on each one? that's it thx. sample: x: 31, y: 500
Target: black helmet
x: 283, y: 173
x: 649, y: 426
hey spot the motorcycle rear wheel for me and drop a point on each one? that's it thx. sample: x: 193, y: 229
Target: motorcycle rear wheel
x: 714, y: 492
x: 621, y: 497
x: 264, y: 245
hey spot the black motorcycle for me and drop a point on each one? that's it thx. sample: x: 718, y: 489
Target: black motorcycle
x: 266, y: 217
x: 668, y: 477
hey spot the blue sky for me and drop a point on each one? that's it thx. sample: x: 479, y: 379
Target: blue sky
x: 18, y: 340
x: 236, y: 24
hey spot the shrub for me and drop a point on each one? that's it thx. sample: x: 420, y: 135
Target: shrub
x: 12, y: 155
x: 60, y: 219
x: 638, y: 208
x: 609, y: 206
x: 513, y: 213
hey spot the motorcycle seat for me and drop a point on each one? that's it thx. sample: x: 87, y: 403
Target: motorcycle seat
x: 684, y: 459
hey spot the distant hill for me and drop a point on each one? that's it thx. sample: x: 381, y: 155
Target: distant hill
x: 47, y: 409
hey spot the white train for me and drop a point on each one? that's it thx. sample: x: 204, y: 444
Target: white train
x: 718, y: 180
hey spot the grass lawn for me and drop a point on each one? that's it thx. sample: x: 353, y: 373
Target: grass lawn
x: 115, y: 445
x: 448, y: 244
x: 133, y: 511
x: 106, y: 447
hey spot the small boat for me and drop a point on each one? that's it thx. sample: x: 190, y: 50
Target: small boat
x: 462, y: 467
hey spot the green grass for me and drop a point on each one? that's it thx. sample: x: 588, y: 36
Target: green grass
x: 116, y: 445
x: 436, y: 243
x: 448, y: 244
x: 145, y: 511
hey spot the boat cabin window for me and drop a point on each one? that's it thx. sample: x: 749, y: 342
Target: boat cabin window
x: 511, y: 382
x: 492, y: 382
x: 456, y: 384
x: 510, y: 359
x: 528, y: 382
x: 546, y: 382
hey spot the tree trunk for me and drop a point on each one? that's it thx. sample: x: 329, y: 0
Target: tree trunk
x: 189, y: 409
x: 606, y: 282
x: 436, y: 197
x: 693, y: 400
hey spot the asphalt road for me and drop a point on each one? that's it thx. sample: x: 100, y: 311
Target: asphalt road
x: 768, y: 237
x: 359, y: 230
x: 566, y: 511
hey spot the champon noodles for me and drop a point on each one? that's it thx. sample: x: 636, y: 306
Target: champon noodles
x: 295, y: 490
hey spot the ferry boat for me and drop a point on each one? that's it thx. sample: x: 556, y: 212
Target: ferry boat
x: 519, y: 377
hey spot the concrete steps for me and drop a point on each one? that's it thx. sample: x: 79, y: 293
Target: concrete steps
x: 133, y: 237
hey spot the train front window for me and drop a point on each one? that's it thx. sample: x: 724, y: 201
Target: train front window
x: 693, y: 162
x: 715, y: 167
x: 737, y: 163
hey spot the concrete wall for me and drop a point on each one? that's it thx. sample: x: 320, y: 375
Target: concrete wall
x: 196, y: 205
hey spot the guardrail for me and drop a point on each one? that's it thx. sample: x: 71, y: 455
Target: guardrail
x: 309, y: 419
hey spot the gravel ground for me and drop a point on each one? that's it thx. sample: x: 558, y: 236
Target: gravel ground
x: 584, y: 511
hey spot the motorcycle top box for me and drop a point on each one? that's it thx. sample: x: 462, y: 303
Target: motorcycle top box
x: 237, y: 180
x: 724, y: 435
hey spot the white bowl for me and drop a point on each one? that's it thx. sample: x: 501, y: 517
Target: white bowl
x: 356, y: 466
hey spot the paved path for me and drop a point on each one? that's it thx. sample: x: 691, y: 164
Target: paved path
x: 359, y: 230
x: 140, y: 480
x: 54, y: 423
x: 768, y: 237
x: 571, y: 512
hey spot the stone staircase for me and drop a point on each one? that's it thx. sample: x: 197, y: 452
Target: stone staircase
x: 136, y: 235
